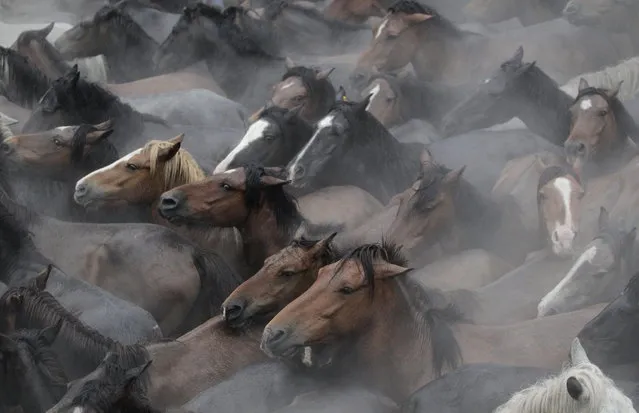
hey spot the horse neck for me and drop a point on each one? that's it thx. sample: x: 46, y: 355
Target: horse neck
x: 131, y: 60
x: 263, y: 236
x: 427, y: 101
x: 544, y: 107
x: 405, y: 366
x: 37, y: 395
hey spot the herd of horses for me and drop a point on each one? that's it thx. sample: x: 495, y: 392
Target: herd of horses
x: 287, y: 206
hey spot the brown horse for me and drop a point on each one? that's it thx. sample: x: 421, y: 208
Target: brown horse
x: 284, y: 277
x: 601, y: 132
x: 355, y: 11
x: 440, y: 51
x: 361, y: 303
x: 307, y: 90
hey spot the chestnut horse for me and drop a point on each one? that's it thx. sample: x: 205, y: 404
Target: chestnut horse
x: 362, y: 316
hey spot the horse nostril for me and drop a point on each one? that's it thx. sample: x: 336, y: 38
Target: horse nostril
x: 169, y: 203
x: 581, y: 148
x: 273, y: 337
x: 6, y: 148
x: 81, y: 189
x: 554, y: 237
x: 233, y: 311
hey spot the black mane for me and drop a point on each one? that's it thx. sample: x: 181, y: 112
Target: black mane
x: 322, y: 89
x: 46, y: 358
x: 98, y: 155
x: 282, y: 204
x: 626, y: 125
x: 26, y: 84
x: 446, y: 350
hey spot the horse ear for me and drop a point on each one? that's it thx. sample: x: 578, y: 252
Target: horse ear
x: 574, y: 387
x: 96, y: 136
x: 518, y: 57
x: 49, y: 334
x: 360, y: 107
x: 452, y: 178
x: 388, y: 270
x: 254, y: 117
x: 417, y: 17
x: 577, y: 353
x: 583, y: 84
x: 604, y: 219
x: 44, y: 32
x: 324, y: 74
x: 612, y: 93
x: 341, y: 94
x: 42, y: 278
x: 107, y: 124
x: 168, y: 153
x: 289, y: 63
x: 322, y: 245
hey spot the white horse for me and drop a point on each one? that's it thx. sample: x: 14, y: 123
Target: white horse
x: 580, y: 388
x: 93, y: 68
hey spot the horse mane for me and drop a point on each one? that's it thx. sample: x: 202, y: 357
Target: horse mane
x: 5, y: 131
x: 26, y: 84
x: 551, y: 394
x: 125, y: 22
x: 438, y: 20
x: 104, y: 153
x: 607, y: 78
x: 179, y: 170
x: 329, y: 255
x: 321, y: 88
x: 423, y: 301
x: 45, y: 358
x: 44, y: 307
x: 275, y: 8
x: 283, y: 205
x: 626, y: 125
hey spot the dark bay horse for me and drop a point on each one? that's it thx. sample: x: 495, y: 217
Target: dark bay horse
x: 351, y: 147
x: 515, y: 89
x: 440, y: 51
x: 360, y: 302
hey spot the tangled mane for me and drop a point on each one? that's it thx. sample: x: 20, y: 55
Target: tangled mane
x: 42, y: 308
x: 104, y: 153
x: 626, y: 126
x: 426, y: 304
x: 322, y: 90
x: 329, y: 254
x: 24, y: 84
x: 551, y: 395
x: 179, y: 170
x: 121, y: 20
x: 282, y: 204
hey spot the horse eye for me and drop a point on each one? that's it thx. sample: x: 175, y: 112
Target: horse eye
x: 226, y: 187
x: 346, y: 290
x: 287, y: 274
x: 57, y: 142
x: 603, y: 113
x: 132, y: 167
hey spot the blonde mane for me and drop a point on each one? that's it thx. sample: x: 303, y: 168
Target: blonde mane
x: 179, y: 170
x: 608, y: 78
x: 600, y: 395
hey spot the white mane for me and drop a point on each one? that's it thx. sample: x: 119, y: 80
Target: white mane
x: 598, y: 392
x: 608, y: 78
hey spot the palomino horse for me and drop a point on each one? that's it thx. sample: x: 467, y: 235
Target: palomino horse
x: 306, y: 89
x: 603, y: 132
x: 440, y: 51
x: 598, y: 275
x: 359, y: 303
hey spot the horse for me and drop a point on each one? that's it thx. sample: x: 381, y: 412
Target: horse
x: 514, y: 89
x: 362, y: 299
x: 609, y: 77
x: 360, y: 11
x: 351, y: 147
x: 126, y: 47
x: 9, y: 32
x: 284, y: 276
x: 529, y: 13
x: 603, y: 132
x: 237, y: 58
x: 396, y: 100
x: 50, y: 162
x: 441, y: 52
x: 32, y: 377
x: 112, y: 386
x: 598, y: 275
x: 305, y: 89
x: 21, y: 83
x: 580, y: 387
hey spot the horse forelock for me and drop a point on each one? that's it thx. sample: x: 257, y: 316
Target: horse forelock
x: 599, y: 394
x: 179, y: 170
